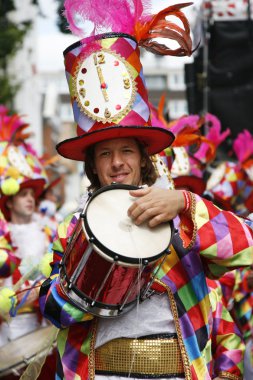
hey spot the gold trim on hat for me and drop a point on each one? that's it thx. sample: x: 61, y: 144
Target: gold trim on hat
x: 80, y: 97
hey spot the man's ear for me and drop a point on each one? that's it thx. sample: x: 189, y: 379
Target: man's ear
x: 143, y: 162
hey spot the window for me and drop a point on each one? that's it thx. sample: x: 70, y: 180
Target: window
x: 156, y: 82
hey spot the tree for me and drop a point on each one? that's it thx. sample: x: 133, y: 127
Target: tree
x: 11, y: 40
x: 61, y: 21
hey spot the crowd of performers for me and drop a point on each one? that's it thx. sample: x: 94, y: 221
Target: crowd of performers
x: 201, y: 301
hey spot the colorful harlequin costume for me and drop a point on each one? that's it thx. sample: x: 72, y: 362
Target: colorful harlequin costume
x: 183, y: 277
x: 176, y: 157
x: 20, y: 168
x: 206, y: 243
x: 231, y: 183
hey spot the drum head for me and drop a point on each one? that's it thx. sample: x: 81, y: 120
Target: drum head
x: 107, y: 221
x: 18, y: 353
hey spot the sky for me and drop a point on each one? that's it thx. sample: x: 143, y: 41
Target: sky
x: 52, y: 42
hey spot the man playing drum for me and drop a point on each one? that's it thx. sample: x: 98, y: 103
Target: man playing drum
x: 166, y: 331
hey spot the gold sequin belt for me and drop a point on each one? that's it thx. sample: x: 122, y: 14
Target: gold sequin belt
x: 153, y: 356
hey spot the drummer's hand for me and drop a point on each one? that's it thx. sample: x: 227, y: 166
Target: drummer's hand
x: 155, y: 205
x: 31, y: 298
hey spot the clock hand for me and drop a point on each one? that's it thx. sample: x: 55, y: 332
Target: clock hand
x: 100, y: 76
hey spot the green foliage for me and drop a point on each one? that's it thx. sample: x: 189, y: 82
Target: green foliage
x: 61, y: 21
x: 6, y: 6
x: 11, y: 40
x: 8, y: 91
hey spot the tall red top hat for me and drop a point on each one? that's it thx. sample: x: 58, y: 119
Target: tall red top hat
x: 105, y: 76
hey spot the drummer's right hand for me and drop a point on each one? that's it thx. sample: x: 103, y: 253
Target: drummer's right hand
x: 33, y: 295
x: 155, y: 205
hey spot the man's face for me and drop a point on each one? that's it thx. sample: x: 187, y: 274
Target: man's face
x: 118, y: 160
x: 22, y: 205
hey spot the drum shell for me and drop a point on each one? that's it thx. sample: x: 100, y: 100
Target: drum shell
x: 90, y: 283
x: 105, y: 270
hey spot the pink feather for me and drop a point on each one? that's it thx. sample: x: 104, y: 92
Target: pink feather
x: 243, y: 145
x: 214, y: 133
x: 119, y: 16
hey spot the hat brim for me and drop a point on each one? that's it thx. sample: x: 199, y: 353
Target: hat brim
x: 154, y: 138
x: 36, y: 184
x: 51, y: 185
x: 191, y: 183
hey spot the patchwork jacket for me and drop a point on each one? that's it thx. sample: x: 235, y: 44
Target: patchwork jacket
x: 213, y: 242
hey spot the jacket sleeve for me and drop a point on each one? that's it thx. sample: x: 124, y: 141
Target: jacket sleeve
x: 8, y: 261
x: 227, y: 343
x: 54, y: 304
x: 224, y: 241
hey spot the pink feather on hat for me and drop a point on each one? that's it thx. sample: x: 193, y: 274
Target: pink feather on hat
x: 243, y: 145
x: 132, y: 17
x: 117, y: 16
x: 214, y: 133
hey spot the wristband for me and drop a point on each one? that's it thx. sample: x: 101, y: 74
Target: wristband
x: 187, y: 201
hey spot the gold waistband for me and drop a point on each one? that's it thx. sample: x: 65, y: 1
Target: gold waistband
x: 142, y: 357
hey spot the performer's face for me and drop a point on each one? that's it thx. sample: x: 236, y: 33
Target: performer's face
x: 118, y: 160
x: 22, y: 205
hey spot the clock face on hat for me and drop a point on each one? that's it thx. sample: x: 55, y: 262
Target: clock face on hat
x: 216, y: 176
x: 104, y: 86
x: 17, y: 159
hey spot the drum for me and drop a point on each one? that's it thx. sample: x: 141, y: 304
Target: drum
x: 109, y: 261
x: 17, y: 354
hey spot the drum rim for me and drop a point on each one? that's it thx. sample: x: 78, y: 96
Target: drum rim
x: 26, y: 359
x: 88, y: 300
x: 113, y: 255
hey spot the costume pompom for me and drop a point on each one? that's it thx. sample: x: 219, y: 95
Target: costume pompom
x: 10, y: 186
x: 7, y: 301
x: 44, y: 265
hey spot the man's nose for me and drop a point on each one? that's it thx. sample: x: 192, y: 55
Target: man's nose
x: 117, y: 159
x: 30, y: 196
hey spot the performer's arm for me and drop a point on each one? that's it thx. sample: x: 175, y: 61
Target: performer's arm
x: 223, y: 240
x: 54, y: 304
x: 227, y: 342
x: 8, y: 261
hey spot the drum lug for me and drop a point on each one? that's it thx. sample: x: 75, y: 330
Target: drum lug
x: 91, y: 239
x: 116, y: 258
x: 147, y: 294
x: 145, y: 262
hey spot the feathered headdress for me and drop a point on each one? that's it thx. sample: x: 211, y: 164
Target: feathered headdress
x: 104, y: 72
x: 243, y: 145
x: 214, y: 137
x: 133, y: 17
x: 243, y: 148
x: 12, y: 127
x: 19, y: 164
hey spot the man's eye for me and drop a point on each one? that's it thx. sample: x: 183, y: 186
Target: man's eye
x: 104, y: 154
